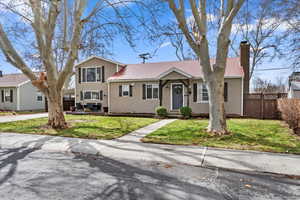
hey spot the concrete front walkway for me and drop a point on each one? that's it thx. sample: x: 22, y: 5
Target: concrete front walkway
x: 12, y: 118
x: 137, y: 151
x: 137, y: 135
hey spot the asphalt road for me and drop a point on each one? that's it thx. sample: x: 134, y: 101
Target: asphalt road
x: 30, y: 174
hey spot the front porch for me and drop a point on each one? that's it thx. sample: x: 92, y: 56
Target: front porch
x: 175, y: 90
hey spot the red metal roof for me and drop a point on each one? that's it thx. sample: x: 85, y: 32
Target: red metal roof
x: 191, y: 67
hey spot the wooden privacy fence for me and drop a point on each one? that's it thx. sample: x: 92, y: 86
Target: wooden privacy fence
x: 67, y: 103
x: 262, y: 105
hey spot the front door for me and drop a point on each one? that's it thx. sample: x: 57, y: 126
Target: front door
x: 177, y: 96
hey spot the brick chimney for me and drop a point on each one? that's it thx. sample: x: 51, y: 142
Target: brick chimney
x: 245, y: 63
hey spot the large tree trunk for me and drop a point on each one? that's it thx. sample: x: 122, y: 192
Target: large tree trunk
x: 56, y: 118
x: 217, y: 115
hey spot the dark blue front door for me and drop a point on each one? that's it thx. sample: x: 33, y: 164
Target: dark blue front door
x: 177, y: 96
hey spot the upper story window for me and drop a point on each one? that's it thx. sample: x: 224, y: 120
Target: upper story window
x: 152, y: 91
x: 92, y: 74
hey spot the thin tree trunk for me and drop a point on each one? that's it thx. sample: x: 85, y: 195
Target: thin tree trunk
x: 56, y: 118
x: 217, y: 115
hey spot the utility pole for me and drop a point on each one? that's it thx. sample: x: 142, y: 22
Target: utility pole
x: 145, y: 56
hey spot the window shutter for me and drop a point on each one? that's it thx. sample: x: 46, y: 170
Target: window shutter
x: 130, y: 90
x: 144, y: 91
x: 81, y: 95
x: 99, y: 74
x: 11, y: 95
x: 195, y: 92
x: 120, y: 90
x: 83, y: 74
x: 101, y: 95
x: 2, y: 95
x: 225, y: 91
x: 79, y: 75
x: 103, y: 74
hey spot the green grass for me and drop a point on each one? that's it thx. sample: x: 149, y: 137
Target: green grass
x: 81, y: 126
x: 250, y: 134
x: 5, y: 113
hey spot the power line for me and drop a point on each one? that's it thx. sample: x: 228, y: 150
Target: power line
x: 270, y: 69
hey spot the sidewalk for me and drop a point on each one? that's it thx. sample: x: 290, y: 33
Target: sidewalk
x: 190, y: 155
x: 12, y: 118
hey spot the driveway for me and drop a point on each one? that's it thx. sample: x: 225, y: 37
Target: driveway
x: 12, y: 118
x: 31, y: 174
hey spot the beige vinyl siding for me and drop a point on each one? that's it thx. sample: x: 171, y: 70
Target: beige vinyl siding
x: 28, y: 98
x: 9, y: 105
x: 136, y: 104
x: 109, y: 70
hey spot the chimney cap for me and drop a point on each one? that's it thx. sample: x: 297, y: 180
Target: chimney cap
x: 244, y: 42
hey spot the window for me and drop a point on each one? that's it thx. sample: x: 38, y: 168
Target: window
x: 8, y: 95
x: 125, y: 90
x: 91, y: 74
x: 152, y: 91
x: 202, y: 93
x: 89, y: 95
x: 39, y: 96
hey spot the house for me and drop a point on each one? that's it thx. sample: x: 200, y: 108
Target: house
x: 106, y: 85
x: 294, y: 85
x: 17, y: 93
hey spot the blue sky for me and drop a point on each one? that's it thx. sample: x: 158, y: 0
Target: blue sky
x: 125, y: 54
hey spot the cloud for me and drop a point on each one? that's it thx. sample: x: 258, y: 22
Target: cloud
x: 165, y: 44
x: 266, y: 24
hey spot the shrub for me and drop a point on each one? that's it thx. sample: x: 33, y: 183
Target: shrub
x: 290, y: 112
x: 161, y: 111
x: 186, y: 111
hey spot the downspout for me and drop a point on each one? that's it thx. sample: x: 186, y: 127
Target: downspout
x: 18, y: 98
x: 108, y: 97
x: 242, y: 96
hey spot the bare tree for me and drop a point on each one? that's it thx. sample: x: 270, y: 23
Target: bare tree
x: 261, y: 28
x: 182, y: 50
x: 266, y: 86
x: 290, y: 13
x: 56, y: 33
x: 197, y: 38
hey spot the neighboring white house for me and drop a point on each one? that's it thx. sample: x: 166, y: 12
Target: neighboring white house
x: 294, y: 85
x: 17, y: 93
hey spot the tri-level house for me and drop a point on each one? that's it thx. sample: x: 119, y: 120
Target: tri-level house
x: 108, y: 86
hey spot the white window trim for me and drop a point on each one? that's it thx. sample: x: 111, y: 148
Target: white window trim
x: 84, y: 91
x: 8, y: 90
x: 156, y: 86
x: 39, y: 94
x: 199, y: 93
x: 126, y: 85
x: 171, y: 92
x: 86, y: 68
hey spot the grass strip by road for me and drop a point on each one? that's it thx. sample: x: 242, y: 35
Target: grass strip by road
x: 81, y: 126
x: 245, y: 134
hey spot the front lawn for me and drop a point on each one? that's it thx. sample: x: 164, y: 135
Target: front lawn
x: 81, y: 126
x: 251, y: 134
x: 8, y: 113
